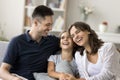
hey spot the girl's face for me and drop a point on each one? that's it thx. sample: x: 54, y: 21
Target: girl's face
x: 79, y: 37
x: 66, y: 41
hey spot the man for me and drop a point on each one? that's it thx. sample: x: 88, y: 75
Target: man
x: 28, y: 53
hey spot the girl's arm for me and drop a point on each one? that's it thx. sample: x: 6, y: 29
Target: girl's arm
x: 53, y: 73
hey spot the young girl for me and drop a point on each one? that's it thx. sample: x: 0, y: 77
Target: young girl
x: 63, y: 62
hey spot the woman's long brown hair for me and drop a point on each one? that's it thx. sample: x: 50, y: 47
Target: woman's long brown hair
x: 93, y: 41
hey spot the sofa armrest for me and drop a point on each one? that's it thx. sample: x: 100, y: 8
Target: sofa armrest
x: 3, y: 47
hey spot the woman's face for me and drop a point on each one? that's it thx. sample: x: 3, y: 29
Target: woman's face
x: 66, y: 41
x: 79, y: 37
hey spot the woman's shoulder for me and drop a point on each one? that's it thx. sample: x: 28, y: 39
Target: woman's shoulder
x: 107, y: 45
x: 108, y: 48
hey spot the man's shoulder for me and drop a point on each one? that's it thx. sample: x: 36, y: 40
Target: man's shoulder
x: 52, y: 37
x: 18, y: 37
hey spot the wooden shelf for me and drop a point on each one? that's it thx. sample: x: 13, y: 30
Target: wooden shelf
x: 109, y: 37
x: 27, y: 28
x: 59, y: 17
x: 52, y: 31
x: 56, y: 30
x: 58, y: 9
x: 54, y: 9
x: 30, y: 7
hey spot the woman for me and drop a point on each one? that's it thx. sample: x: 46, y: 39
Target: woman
x: 63, y: 62
x: 96, y: 60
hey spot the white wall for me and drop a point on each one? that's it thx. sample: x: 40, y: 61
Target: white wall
x: 11, y: 14
x: 104, y: 10
x: 11, y: 17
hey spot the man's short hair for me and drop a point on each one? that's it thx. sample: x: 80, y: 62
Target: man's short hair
x: 42, y: 11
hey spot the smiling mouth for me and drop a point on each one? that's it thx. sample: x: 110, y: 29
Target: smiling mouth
x: 46, y: 32
x: 78, y: 40
x: 65, y: 43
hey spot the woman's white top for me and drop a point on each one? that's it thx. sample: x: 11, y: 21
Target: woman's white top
x: 106, y: 68
x: 94, y: 69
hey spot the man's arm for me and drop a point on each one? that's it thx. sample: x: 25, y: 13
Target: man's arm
x: 5, y: 74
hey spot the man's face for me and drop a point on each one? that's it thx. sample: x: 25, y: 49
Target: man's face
x: 45, y: 25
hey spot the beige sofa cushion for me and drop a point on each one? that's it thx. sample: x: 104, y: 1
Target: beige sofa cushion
x: 3, y: 47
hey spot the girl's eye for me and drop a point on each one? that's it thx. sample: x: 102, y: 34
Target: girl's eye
x: 62, y: 37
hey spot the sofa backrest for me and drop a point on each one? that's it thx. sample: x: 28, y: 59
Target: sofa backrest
x: 3, y: 47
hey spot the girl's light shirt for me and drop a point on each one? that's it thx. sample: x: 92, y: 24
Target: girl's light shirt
x: 57, y: 59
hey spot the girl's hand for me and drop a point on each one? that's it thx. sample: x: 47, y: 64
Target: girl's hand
x: 82, y: 79
x: 63, y: 76
x: 71, y: 77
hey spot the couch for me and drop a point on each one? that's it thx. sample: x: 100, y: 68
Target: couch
x: 3, y: 47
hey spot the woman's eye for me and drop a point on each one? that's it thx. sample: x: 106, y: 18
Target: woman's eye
x: 78, y: 31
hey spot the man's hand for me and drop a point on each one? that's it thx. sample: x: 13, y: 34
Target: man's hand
x: 16, y: 78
